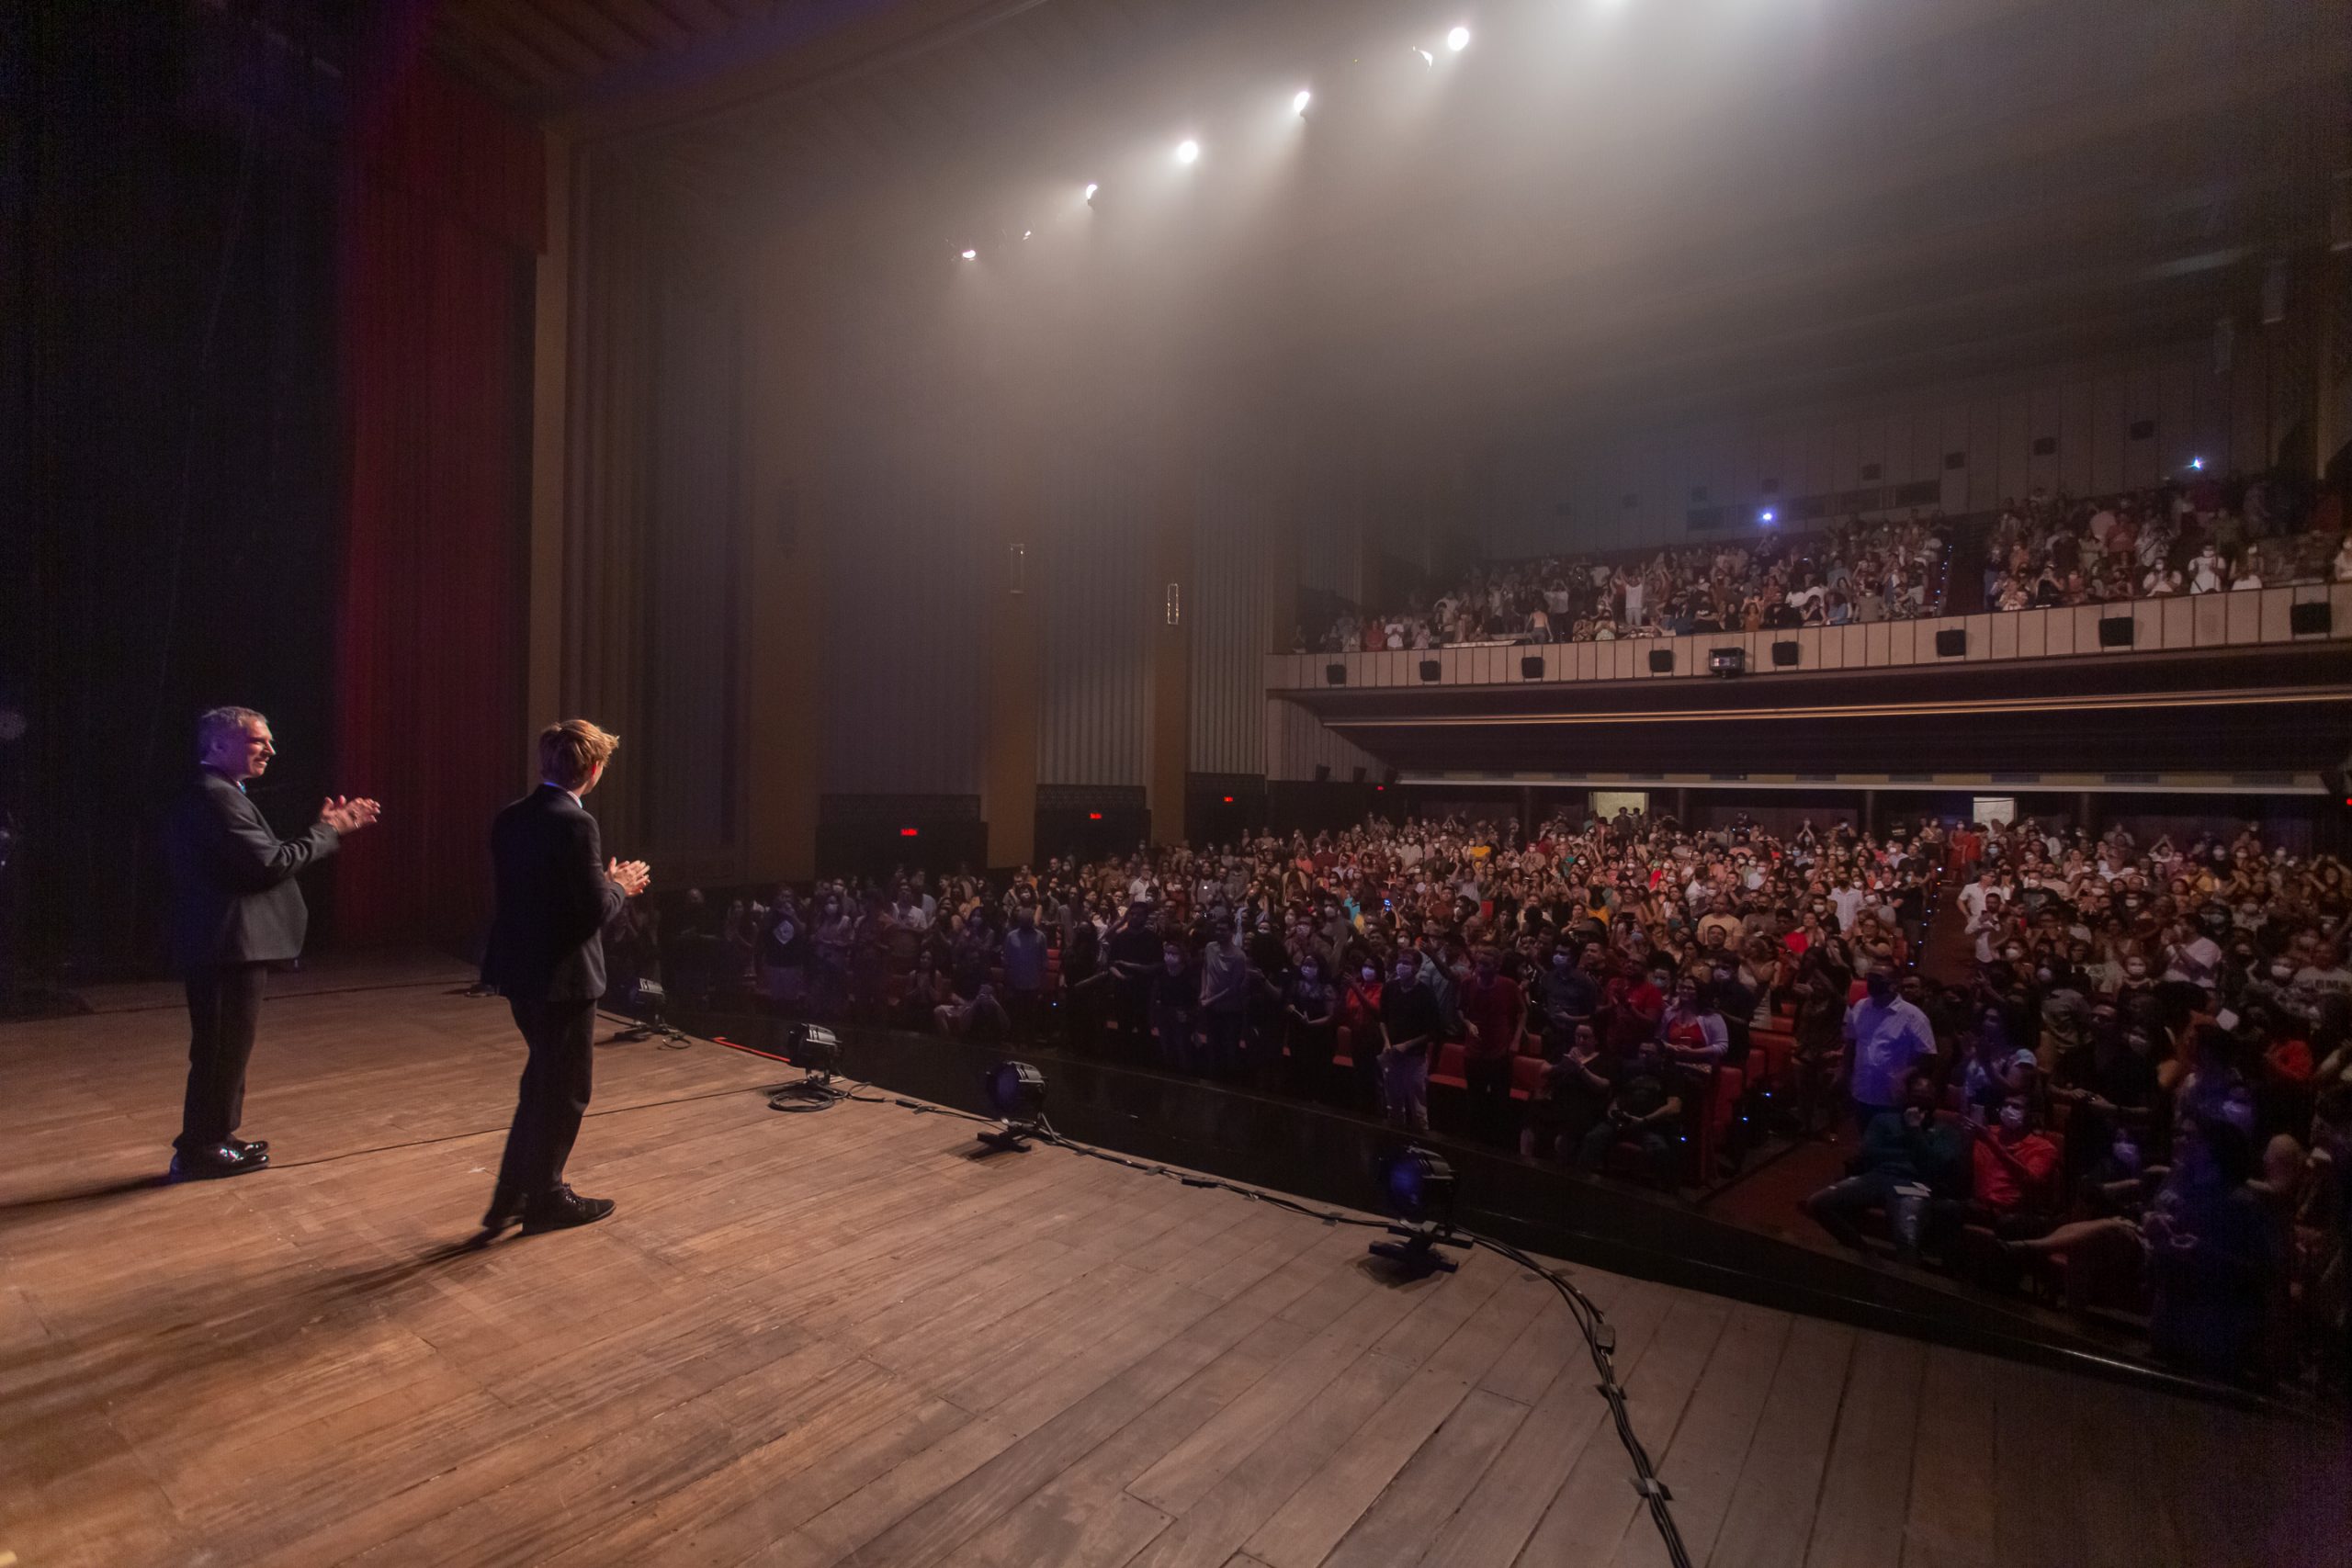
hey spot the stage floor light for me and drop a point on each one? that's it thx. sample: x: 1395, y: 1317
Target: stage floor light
x: 1016, y: 1093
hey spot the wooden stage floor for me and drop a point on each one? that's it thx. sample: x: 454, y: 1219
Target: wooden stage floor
x: 837, y: 1339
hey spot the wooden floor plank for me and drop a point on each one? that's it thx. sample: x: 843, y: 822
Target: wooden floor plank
x: 1596, y: 1504
x: 1866, y: 1496
x: 811, y: 1341
x: 1712, y: 1440
x: 1950, y: 1519
x: 1773, y: 1507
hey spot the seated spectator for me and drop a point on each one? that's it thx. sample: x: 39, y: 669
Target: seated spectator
x: 1644, y: 1112
x: 1570, y: 1098
x: 1908, y: 1157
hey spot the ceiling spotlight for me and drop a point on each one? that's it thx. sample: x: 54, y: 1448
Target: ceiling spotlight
x: 1090, y: 190
x: 2196, y: 463
x: 1188, y: 150
x: 969, y: 255
x: 1458, y: 39
x: 1026, y: 232
x: 1298, y: 103
x: 1427, y: 58
x: 1765, y: 515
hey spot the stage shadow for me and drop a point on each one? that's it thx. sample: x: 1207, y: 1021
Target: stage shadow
x: 54, y: 1202
x: 187, y: 1334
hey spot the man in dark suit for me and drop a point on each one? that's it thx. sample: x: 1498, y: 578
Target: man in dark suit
x: 546, y: 955
x: 236, y: 910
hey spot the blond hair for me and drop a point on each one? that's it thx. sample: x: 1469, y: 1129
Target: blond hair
x: 570, y: 752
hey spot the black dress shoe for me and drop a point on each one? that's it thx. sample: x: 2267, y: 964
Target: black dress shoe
x: 250, y: 1145
x: 213, y: 1161
x: 507, y: 1206
x: 561, y: 1210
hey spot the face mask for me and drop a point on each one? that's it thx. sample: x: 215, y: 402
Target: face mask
x: 2128, y: 1156
x: 2042, y: 975
x: 1306, y: 972
x: 2137, y: 971
x: 2281, y: 972
x: 2012, y: 1118
x: 1371, y: 974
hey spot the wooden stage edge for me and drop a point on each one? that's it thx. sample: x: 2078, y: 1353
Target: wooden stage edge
x: 839, y: 1337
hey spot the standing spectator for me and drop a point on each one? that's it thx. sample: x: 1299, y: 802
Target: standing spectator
x: 1408, y: 1030
x: 1174, y: 999
x: 1570, y: 1098
x: 1023, y: 958
x: 1884, y: 1036
x: 1224, y: 1002
x: 1494, y: 1010
x: 1309, y: 1011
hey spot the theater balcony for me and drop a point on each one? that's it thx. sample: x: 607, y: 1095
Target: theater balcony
x: 2244, y: 691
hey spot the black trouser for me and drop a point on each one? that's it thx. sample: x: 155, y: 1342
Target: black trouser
x: 554, y: 1093
x: 223, y: 1011
x: 1488, y: 1081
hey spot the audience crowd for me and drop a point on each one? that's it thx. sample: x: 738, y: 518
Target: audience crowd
x: 2199, y: 537
x: 2135, y: 1094
x: 1858, y: 573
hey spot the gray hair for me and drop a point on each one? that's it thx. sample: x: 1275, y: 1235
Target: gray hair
x: 216, y: 725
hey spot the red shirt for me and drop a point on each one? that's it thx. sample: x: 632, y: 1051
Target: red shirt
x: 1997, y: 1185
x: 1639, y: 1006
x: 1493, y: 1012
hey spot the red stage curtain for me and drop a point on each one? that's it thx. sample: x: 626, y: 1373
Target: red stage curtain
x: 443, y: 218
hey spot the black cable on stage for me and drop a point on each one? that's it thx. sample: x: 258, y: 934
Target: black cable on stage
x: 1601, y: 1340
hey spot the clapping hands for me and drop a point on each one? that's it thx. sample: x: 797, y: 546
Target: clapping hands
x: 345, y: 814
x: 632, y: 877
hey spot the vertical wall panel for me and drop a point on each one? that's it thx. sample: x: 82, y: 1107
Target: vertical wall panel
x: 905, y: 572
x: 1092, y: 566
x: 693, y: 566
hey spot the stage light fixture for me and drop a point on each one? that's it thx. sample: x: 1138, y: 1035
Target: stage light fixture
x: 1458, y: 39
x: 1026, y: 232
x: 971, y: 255
x: 2196, y: 463
x: 1091, y: 189
x: 1765, y: 517
x: 1188, y: 150
x: 1417, y: 1189
x: 814, y: 1048
x: 1016, y: 1093
x: 1299, y: 102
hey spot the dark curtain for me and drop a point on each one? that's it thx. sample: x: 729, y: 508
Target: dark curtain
x: 169, y: 441
x: 442, y: 226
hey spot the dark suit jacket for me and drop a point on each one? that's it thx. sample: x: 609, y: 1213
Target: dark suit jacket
x: 546, y: 941
x: 234, y: 895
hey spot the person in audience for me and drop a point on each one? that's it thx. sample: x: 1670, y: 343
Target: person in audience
x: 1644, y: 1113
x: 1570, y: 1098
x: 1174, y: 1004
x: 1409, y: 1034
x: 1493, y: 1012
x: 1310, y: 1027
x: 1884, y: 1036
x: 1908, y: 1155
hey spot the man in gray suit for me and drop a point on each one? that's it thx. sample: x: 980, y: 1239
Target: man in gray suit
x: 235, y: 911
